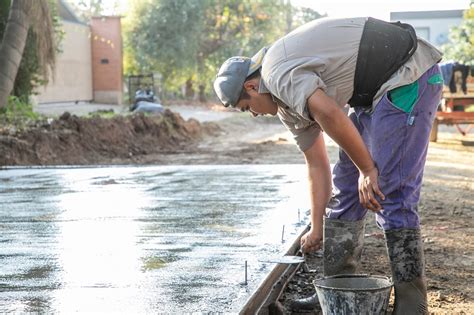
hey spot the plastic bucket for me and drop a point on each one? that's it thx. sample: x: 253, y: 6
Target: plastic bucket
x: 353, y: 294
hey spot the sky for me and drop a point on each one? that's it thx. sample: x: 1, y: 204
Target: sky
x: 378, y: 8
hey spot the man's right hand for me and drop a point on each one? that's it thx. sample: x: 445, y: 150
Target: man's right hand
x: 312, y: 240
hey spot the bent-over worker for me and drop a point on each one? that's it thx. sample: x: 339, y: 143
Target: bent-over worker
x: 392, y: 83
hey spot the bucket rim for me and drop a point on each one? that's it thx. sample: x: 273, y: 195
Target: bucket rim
x: 389, y: 285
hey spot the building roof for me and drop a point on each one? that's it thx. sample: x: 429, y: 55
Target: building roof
x: 426, y: 14
x: 67, y: 13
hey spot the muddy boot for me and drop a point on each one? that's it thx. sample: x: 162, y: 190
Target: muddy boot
x: 405, y: 251
x: 307, y: 304
x: 343, y: 242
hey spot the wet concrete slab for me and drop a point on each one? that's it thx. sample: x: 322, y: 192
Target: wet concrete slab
x: 143, y: 239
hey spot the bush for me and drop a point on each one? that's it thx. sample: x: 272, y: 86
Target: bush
x: 18, y: 112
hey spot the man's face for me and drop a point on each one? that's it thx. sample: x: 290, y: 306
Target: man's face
x: 257, y: 104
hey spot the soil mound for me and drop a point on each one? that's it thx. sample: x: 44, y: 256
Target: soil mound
x: 72, y: 140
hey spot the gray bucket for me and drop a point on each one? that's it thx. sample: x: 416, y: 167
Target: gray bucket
x: 353, y: 294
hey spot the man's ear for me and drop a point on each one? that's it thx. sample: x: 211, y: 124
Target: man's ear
x: 251, y: 84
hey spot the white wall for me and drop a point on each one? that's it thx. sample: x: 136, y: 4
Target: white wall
x: 438, y: 28
x: 73, y: 81
x: 433, y: 26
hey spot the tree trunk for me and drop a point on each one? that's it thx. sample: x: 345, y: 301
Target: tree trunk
x: 189, y: 89
x: 202, y: 94
x: 12, y: 46
x: 201, y: 87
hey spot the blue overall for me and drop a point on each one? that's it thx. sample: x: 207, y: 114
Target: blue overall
x: 397, y: 136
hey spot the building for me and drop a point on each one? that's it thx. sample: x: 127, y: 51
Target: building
x: 433, y: 26
x: 107, y: 69
x: 89, y: 68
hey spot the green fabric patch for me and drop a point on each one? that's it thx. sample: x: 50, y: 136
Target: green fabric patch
x: 404, y: 97
x: 436, y: 79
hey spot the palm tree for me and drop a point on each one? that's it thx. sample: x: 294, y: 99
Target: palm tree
x: 23, y: 15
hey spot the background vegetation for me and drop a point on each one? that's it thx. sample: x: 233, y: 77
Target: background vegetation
x: 461, y: 40
x: 186, y: 41
x: 183, y: 42
x: 31, y: 72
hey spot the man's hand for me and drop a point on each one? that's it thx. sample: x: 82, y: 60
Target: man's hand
x: 340, y: 128
x: 369, y: 188
x: 312, y: 240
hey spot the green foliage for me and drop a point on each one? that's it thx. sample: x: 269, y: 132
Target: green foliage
x: 103, y: 113
x: 28, y: 76
x: 461, y: 40
x: 165, y: 36
x: 86, y: 9
x: 4, y: 7
x: 17, y: 112
x: 305, y: 15
x: 189, y: 40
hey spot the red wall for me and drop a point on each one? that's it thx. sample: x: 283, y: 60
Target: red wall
x: 106, y: 37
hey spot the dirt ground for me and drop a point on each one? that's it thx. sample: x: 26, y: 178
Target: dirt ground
x: 96, y: 140
x: 446, y: 207
x: 447, y: 203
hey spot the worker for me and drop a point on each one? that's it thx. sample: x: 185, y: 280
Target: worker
x: 391, y: 83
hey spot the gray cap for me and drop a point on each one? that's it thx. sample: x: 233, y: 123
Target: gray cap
x: 230, y: 79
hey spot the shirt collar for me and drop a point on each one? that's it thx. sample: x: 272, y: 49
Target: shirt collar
x: 262, y: 88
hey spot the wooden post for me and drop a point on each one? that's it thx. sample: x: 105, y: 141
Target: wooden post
x: 434, y: 131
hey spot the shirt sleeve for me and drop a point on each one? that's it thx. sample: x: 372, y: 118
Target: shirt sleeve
x: 304, y: 133
x: 294, y: 83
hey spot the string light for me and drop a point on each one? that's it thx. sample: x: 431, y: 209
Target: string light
x: 73, y: 27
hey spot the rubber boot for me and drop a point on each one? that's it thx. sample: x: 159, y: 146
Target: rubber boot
x: 343, y: 243
x: 342, y: 246
x: 405, y: 251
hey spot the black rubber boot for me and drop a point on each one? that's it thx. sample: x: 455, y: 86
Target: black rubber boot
x: 306, y: 304
x: 342, y: 246
x: 405, y: 251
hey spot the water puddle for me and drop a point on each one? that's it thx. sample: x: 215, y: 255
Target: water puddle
x: 143, y: 239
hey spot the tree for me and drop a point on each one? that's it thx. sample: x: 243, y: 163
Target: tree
x: 24, y: 14
x: 86, y: 9
x: 187, y: 40
x: 461, y: 40
x: 305, y: 15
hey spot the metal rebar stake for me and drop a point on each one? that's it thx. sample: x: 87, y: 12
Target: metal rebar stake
x: 245, y: 282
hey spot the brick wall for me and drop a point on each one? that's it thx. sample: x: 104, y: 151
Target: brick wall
x: 107, y: 74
